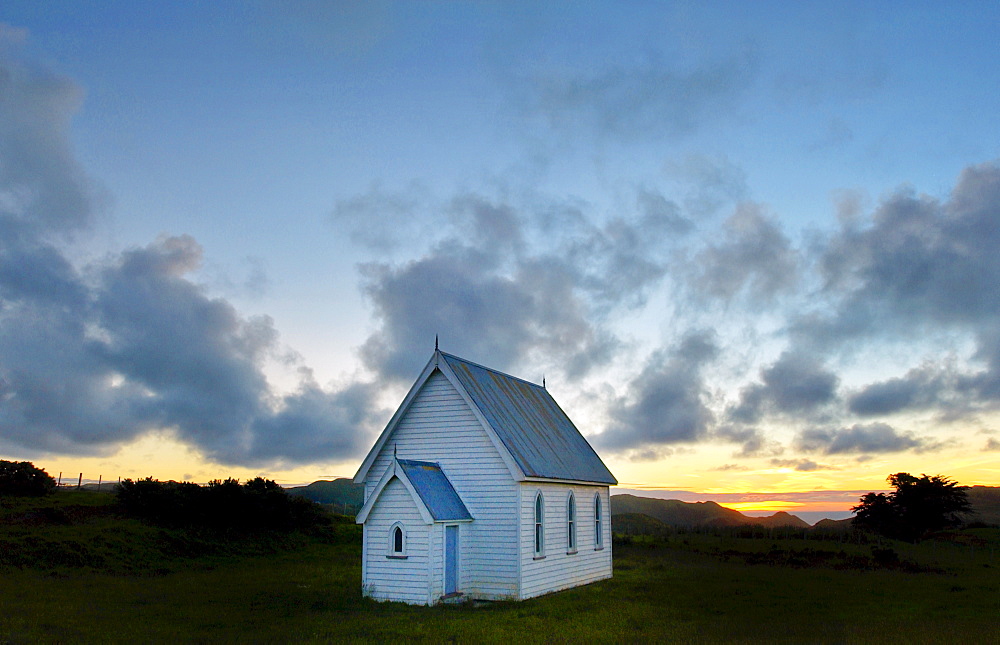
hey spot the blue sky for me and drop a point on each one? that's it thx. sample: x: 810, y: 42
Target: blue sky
x: 750, y: 246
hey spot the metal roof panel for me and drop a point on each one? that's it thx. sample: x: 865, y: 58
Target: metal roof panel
x: 435, y: 490
x: 534, y: 429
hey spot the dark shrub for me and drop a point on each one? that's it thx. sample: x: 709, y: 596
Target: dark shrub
x: 23, y: 478
x: 260, y: 504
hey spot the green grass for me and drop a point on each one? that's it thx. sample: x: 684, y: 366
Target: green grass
x: 688, y: 588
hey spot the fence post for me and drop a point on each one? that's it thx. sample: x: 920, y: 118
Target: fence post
x: 99, y: 477
x: 79, y: 482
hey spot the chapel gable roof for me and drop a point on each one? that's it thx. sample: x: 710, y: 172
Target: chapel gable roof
x: 536, y: 432
x: 432, y: 491
x: 535, y: 438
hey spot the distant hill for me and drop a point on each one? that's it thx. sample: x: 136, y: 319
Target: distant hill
x: 673, y: 512
x: 834, y: 525
x: 661, y: 513
x: 985, y: 502
x: 342, y: 494
x: 781, y: 518
x: 638, y: 524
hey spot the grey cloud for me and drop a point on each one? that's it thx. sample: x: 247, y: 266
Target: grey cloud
x: 90, y: 359
x: 730, y: 468
x: 649, y: 454
x: 870, y: 438
x: 751, y: 405
x: 487, y: 223
x: 641, y: 101
x: 794, y: 384
x: 992, y: 445
x: 621, y: 260
x: 144, y: 348
x: 314, y: 421
x: 34, y: 270
x: 920, y: 261
x: 798, y: 383
x: 666, y: 403
x: 382, y: 219
x: 40, y: 179
x: 801, y: 465
x: 478, y: 310
x: 919, y: 389
x: 709, y: 183
x: 659, y: 213
x: 754, y: 442
x: 755, y: 258
x: 196, y: 355
x: 918, y: 265
x: 510, y: 282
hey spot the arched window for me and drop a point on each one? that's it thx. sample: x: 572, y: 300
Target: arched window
x: 598, y: 534
x: 571, y: 523
x: 539, y: 525
x: 397, y: 541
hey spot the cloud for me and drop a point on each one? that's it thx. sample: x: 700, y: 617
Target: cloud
x: 730, y: 468
x: 919, y: 271
x: 800, y: 465
x: 659, y: 213
x: 708, y: 183
x: 41, y: 183
x: 870, y: 438
x: 143, y: 348
x: 507, y: 281
x: 479, y: 310
x: 992, y: 445
x: 920, y: 388
x: 95, y: 357
x: 380, y: 219
x: 666, y: 402
x: 919, y: 261
x: 754, y: 442
x: 756, y: 258
x: 798, y: 383
x: 640, y: 101
x: 649, y: 454
x: 794, y: 384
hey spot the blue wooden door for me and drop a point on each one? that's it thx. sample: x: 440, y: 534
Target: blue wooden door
x: 450, y: 559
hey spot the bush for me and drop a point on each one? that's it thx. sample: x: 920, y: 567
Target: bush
x: 260, y: 504
x: 22, y: 478
x: 918, y: 506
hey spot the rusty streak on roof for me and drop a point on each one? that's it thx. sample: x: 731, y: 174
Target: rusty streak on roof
x: 539, y: 436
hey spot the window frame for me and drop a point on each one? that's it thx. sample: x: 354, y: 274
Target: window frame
x: 571, y: 541
x: 539, y: 534
x: 598, y: 522
x: 392, y: 552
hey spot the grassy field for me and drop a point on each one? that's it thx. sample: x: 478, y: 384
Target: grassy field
x: 99, y: 578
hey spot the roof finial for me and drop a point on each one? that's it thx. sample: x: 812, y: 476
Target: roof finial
x: 435, y: 342
x: 543, y: 382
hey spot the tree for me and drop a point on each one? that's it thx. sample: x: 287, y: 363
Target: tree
x: 22, y: 478
x: 917, y: 506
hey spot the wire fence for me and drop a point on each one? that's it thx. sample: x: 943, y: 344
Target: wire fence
x: 65, y: 481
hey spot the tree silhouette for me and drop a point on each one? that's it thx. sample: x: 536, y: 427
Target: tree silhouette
x: 24, y: 478
x: 917, y: 506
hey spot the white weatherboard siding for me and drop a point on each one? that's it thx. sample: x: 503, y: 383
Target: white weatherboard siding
x: 559, y: 569
x: 439, y: 426
x: 392, y: 578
